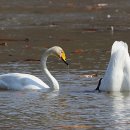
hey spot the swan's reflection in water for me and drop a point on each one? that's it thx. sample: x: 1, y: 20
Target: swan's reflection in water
x: 120, y: 110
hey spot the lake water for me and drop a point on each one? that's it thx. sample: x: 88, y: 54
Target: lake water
x: 86, y: 31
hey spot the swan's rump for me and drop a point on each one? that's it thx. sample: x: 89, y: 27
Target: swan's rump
x: 118, y: 46
x: 18, y: 81
x: 117, y: 75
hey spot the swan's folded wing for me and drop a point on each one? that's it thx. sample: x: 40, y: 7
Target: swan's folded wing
x: 32, y: 82
x: 18, y: 81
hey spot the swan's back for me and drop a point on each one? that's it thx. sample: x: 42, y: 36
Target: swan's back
x: 18, y: 81
x: 117, y: 75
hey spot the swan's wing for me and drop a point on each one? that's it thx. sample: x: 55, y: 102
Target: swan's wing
x: 9, y: 81
x: 30, y: 81
x: 18, y: 81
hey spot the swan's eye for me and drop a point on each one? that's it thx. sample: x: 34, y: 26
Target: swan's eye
x: 62, y: 52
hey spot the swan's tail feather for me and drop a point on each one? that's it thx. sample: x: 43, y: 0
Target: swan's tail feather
x: 119, y: 45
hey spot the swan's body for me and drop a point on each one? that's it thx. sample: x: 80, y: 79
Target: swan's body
x: 117, y: 75
x: 19, y: 81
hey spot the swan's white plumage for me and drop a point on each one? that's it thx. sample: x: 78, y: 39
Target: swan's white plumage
x: 117, y: 75
x: 19, y: 81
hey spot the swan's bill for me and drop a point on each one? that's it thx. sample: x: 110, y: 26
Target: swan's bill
x: 63, y: 58
x: 64, y: 61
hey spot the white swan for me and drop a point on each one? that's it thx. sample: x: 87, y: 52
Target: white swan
x: 19, y: 81
x: 117, y: 75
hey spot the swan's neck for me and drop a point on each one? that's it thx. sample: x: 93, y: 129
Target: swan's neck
x: 53, y: 82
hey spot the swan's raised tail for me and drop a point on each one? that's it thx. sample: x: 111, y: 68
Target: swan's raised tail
x: 119, y: 45
x: 118, y: 70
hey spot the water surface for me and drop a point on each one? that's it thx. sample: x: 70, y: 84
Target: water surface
x: 86, y: 31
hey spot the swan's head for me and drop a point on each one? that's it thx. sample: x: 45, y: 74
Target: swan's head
x: 58, y: 51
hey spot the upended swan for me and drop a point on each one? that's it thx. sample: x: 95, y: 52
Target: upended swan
x: 19, y: 81
x: 117, y: 75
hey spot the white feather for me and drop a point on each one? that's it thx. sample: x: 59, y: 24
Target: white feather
x: 117, y: 75
x: 19, y: 81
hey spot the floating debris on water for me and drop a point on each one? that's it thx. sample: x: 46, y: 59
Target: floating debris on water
x: 3, y: 44
x: 88, y: 76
